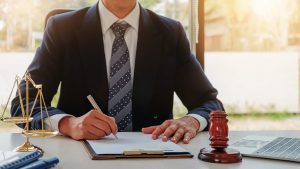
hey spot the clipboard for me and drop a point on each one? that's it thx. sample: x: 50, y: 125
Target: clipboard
x: 133, y: 145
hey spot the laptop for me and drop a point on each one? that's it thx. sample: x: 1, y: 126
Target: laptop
x: 271, y: 147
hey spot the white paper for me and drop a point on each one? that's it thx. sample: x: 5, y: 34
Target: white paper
x: 11, y: 156
x: 128, y: 141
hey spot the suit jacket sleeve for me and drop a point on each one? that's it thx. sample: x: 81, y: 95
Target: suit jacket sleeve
x: 192, y: 86
x: 45, y: 69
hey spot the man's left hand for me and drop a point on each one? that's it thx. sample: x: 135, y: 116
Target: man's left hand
x: 184, y: 129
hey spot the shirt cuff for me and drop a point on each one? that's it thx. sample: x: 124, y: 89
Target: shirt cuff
x: 202, y: 121
x: 54, y: 121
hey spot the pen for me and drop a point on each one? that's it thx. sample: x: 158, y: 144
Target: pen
x: 95, y: 105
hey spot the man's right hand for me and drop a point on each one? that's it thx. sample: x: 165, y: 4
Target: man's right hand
x: 91, y: 126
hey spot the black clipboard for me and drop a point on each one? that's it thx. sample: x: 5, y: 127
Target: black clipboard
x: 134, y: 154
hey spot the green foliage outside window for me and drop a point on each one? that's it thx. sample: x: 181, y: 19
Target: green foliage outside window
x: 22, y: 22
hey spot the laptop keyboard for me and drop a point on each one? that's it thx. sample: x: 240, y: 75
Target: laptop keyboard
x: 281, y: 148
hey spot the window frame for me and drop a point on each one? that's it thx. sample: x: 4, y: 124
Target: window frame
x: 200, y: 45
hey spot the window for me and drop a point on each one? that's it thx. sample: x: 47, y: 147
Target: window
x: 252, y: 57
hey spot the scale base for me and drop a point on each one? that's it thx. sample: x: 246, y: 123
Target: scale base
x: 26, y: 147
x: 226, y: 155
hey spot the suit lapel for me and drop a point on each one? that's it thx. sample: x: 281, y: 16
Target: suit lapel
x: 93, y: 57
x: 149, y: 48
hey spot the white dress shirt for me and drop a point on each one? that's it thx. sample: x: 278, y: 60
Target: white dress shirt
x: 131, y: 37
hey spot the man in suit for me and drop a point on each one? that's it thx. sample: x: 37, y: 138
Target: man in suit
x: 131, y: 61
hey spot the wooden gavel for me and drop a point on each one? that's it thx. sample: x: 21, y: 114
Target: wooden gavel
x: 218, y: 152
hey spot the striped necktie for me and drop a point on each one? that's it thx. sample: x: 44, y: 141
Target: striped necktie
x: 120, y: 84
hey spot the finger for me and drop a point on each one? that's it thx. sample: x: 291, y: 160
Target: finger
x: 115, y: 127
x: 187, y: 137
x: 90, y: 136
x: 170, y: 131
x: 178, y: 135
x: 161, y: 128
x: 86, y: 134
x: 112, y: 124
x: 96, y: 131
x: 148, y: 130
x: 102, y: 125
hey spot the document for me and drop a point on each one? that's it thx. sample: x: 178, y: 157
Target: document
x: 133, y: 142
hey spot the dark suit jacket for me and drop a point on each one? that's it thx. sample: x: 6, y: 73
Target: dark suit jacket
x: 72, y: 54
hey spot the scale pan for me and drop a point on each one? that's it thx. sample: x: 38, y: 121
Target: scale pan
x: 40, y: 133
x: 16, y: 120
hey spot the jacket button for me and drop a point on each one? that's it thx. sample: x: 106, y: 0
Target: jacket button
x: 155, y: 116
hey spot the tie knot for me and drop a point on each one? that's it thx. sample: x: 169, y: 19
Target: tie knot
x: 119, y: 29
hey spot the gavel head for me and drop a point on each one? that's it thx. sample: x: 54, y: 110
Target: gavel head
x: 218, y: 130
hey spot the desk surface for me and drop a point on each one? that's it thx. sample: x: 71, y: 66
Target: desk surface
x: 72, y: 154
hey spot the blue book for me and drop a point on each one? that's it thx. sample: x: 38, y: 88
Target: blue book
x: 14, y: 160
x: 42, y: 164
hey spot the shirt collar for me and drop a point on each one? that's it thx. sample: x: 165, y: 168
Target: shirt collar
x: 108, y: 18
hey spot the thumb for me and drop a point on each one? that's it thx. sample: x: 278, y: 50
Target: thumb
x: 148, y: 130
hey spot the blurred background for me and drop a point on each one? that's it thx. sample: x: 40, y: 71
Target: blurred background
x: 252, y: 50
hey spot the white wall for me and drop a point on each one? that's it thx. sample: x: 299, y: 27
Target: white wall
x: 255, y: 80
x: 244, y: 80
x: 11, y: 64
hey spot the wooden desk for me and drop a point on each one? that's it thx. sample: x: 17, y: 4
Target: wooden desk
x: 72, y: 154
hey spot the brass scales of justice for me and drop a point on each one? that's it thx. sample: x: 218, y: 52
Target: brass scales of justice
x: 26, y: 117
